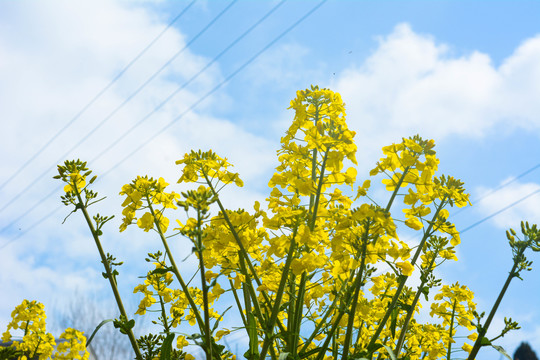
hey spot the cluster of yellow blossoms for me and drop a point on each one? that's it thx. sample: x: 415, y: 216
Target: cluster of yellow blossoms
x: 314, y: 255
x: 149, y: 191
x: 30, y: 317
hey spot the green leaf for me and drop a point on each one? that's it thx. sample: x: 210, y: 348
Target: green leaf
x: 393, y: 323
x: 390, y: 352
x: 485, y: 341
x: 166, y: 348
x: 371, y: 349
x: 160, y: 271
x: 501, y: 350
x: 310, y: 352
x: 96, y: 330
x: 253, y: 340
x: 283, y: 356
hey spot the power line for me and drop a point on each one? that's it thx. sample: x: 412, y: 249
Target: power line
x: 95, y: 98
x: 156, y: 108
x: 112, y: 113
x: 143, y: 144
x: 185, y: 84
x: 499, y: 211
x: 218, y: 86
x: 492, y: 191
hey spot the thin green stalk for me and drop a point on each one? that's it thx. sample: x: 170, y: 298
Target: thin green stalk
x: 359, y: 334
x: 341, y: 311
x: 451, y: 329
x: 329, y: 311
x: 413, y: 306
x: 314, y: 162
x: 483, y: 331
x: 318, y: 195
x: 244, y: 258
x: 108, y: 271
x: 164, y: 315
x: 236, y: 238
x: 238, y: 303
x: 207, y: 333
x: 298, y: 314
x: 398, y: 186
x: 404, y: 277
x: 279, y: 296
x: 321, y: 323
x: 291, y: 314
x: 175, y: 270
x: 357, y: 285
x: 36, y: 349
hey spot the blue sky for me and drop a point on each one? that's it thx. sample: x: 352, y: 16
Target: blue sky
x: 466, y: 74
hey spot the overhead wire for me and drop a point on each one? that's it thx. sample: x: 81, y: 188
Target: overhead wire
x: 250, y: 29
x: 537, y: 191
x: 115, y: 110
x: 186, y: 83
x: 143, y: 144
x: 157, y: 107
x: 503, y: 185
x: 96, y: 97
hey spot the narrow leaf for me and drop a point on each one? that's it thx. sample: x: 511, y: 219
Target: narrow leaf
x: 390, y: 352
x: 96, y: 330
x: 502, y: 351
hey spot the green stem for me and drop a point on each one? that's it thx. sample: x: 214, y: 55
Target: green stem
x: 408, y: 318
x: 314, y: 161
x: 244, y: 258
x: 318, y: 195
x: 357, y: 285
x: 243, y: 252
x: 108, y: 271
x: 341, y: 311
x: 238, y: 304
x: 291, y: 315
x: 175, y: 269
x: 483, y: 331
x: 451, y: 329
x: 401, y: 179
x: 164, y: 315
x: 204, y: 288
x: 322, y: 322
x: 298, y: 314
x: 404, y: 277
x: 279, y: 296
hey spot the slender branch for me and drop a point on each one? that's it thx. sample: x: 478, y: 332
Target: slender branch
x: 451, y: 329
x: 279, y: 296
x: 175, y: 269
x: 108, y: 271
x: 413, y: 306
x: 483, y: 331
x: 357, y: 285
x: 398, y: 185
x: 204, y: 288
x: 404, y: 277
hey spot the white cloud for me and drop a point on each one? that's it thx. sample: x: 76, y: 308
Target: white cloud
x: 411, y: 84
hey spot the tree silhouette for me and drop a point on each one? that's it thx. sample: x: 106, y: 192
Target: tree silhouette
x: 524, y: 352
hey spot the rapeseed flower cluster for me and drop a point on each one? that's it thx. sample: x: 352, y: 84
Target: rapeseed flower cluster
x: 313, y: 251
x: 151, y: 192
x: 30, y: 318
x: 320, y: 272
